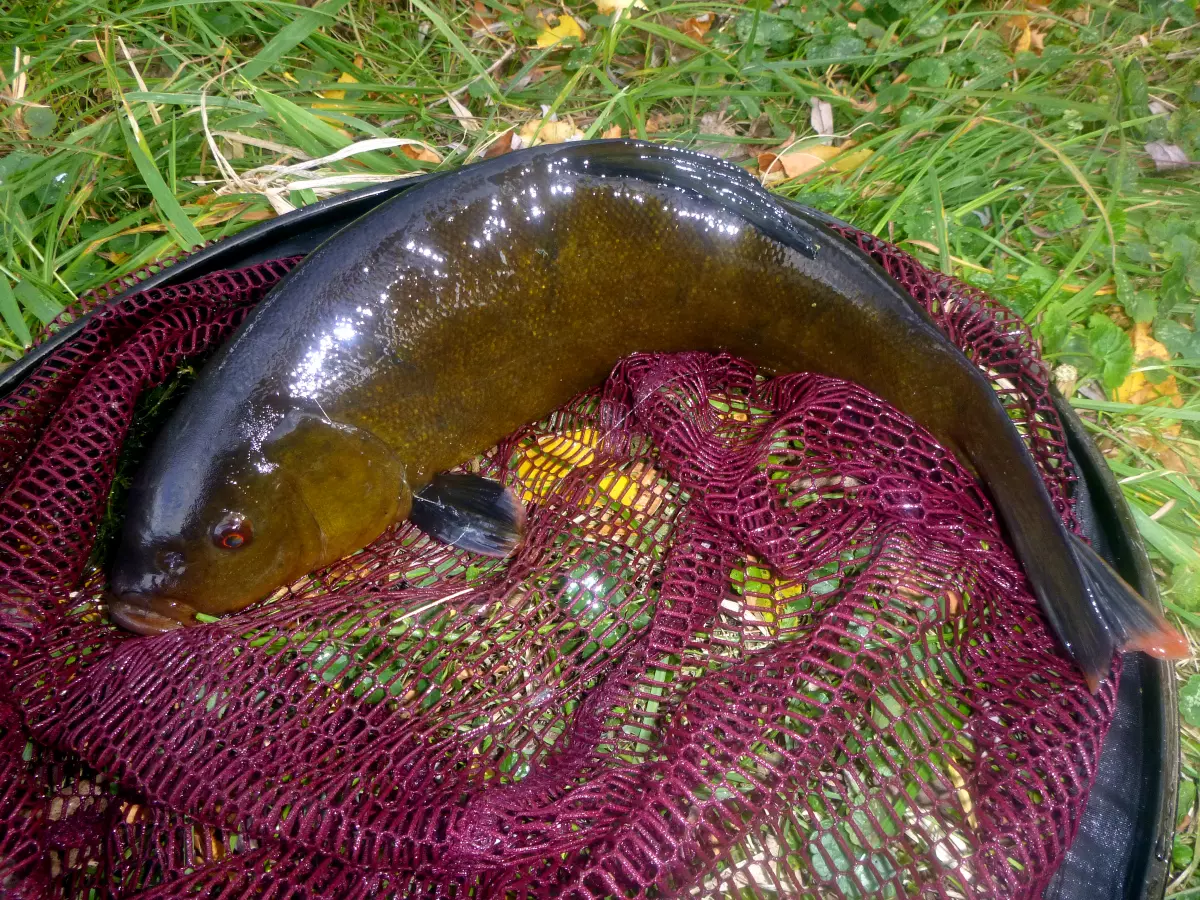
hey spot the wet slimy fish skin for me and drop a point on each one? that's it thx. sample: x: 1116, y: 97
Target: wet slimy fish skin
x: 481, y: 300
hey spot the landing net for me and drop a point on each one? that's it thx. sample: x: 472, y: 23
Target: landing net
x: 763, y: 640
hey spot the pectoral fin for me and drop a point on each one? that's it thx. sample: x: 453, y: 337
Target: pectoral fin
x: 471, y: 512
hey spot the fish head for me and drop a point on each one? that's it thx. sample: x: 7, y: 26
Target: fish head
x: 213, y: 536
x: 211, y: 548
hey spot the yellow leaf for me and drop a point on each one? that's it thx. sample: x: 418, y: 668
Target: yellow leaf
x: 613, y: 132
x: 605, y: 7
x: 549, y: 132
x: 423, y: 154
x: 697, y: 26
x: 1024, y: 39
x: 1137, y: 388
x: 552, y: 457
x: 848, y: 161
x: 345, y: 78
x: 795, y: 163
x: 566, y: 29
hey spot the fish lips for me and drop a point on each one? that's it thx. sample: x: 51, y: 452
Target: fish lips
x: 145, y: 614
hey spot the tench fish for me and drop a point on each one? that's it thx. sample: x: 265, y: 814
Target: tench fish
x: 460, y: 310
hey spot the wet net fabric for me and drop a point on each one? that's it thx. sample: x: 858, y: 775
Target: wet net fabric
x: 763, y: 639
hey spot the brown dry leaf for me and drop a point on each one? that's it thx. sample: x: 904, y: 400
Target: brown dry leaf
x: 697, y: 26
x: 480, y: 18
x: 551, y: 35
x: 1137, y: 388
x: 611, y: 132
x: 713, y: 124
x: 501, y: 145
x: 422, y: 154
x: 795, y: 163
x: 539, y: 131
x: 1081, y: 15
x: 1172, y: 455
x: 663, y: 122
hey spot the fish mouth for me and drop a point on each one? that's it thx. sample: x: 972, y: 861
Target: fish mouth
x: 147, y: 615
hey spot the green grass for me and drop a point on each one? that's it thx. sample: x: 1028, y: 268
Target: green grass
x: 1013, y: 159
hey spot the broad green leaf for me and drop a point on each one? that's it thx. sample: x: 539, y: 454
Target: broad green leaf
x: 1187, y: 799
x: 1165, y: 540
x: 41, y: 121
x: 1185, y: 587
x: 1189, y: 701
x: 35, y: 300
x: 1112, y: 349
x: 11, y: 314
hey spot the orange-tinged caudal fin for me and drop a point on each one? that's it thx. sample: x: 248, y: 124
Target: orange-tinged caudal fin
x: 1133, y: 622
x: 1165, y: 643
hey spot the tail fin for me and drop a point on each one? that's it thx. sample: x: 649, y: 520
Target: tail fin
x: 1131, y: 620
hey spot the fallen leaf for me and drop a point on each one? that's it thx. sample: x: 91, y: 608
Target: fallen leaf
x: 420, y: 153
x: 1167, y: 156
x: 540, y: 131
x: 552, y: 35
x: 607, y: 7
x: 1065, y: 378
x: 480, y: 19
x: 465, y: 119
x: 344, y: 78
x: 551, y: 457
x: 663, y: 122
x: 1024, y: 39
x: 1081, y: 15
x: 611, y: 132
x: 822, y: 117
x: 795, y: 163
x: 713, y: 124
x: 501, y: 145
x: 1137, y: 388
x: 1165, y: 449
x: 697, y: 26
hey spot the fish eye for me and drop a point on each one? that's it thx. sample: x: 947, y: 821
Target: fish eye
x: 232, y: 532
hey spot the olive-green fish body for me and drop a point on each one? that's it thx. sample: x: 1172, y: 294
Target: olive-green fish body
x: 466, y: 307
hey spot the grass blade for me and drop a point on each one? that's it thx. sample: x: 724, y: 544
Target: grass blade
x: 11, y: 313
x: 185, y: 231
x: 291, y: 35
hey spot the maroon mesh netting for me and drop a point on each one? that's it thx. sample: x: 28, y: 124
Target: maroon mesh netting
x: 763, y: 640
